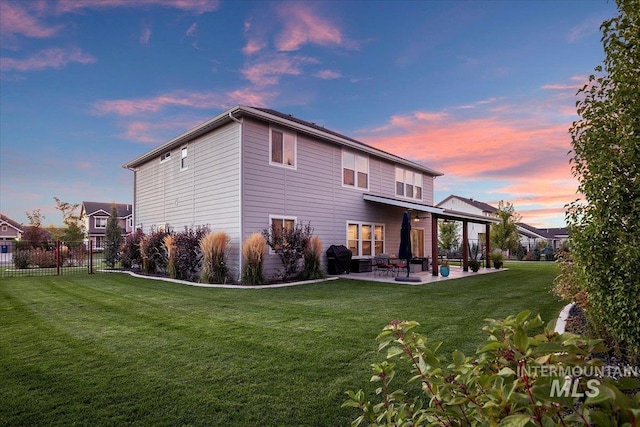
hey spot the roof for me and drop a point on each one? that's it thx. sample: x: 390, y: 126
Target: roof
x: 484, y: 207
x: 90, y: 208
x: 545, y: 233
x: 12, y: 223
x: 285, y: 120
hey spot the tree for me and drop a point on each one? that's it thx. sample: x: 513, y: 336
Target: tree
x: 73, y: 232
x: 34, y: 235
x: 112, y: 239
x: 504, y: 235
x: 289, y: 243
x: 448, y: 236
x: 605, y: 225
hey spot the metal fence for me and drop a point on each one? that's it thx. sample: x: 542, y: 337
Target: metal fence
x: 22, y: 258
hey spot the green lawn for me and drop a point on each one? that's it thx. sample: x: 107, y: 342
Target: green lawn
x: 109, y: 349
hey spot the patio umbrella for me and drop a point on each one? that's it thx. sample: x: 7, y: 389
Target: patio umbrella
x: 405, y: 243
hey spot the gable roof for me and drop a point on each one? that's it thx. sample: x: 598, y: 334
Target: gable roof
x: 6, y: 220
x: 285, y: 120
x: 545, y: 233
x: 484, y: 207
x: 91, y: 208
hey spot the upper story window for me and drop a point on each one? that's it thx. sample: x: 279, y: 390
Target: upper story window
x: 283, y: 148
x: 4, y: 228
x: 100, y: 222
x: 165, y: 156
x: 408, y: 184
x: 355, y: 170
x: 183, y: 158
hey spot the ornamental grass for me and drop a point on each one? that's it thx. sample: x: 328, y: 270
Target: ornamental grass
x: 213, y: 247
x: 253, y: 251
x: 312, y: 255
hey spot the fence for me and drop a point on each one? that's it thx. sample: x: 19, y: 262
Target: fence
x: 22, y: 258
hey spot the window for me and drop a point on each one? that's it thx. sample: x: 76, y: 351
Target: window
x: 355, y: 170
x: 100, y: 222
x: 99, y: 243
x: 4, y: 228
x: 408, y: 184
x: 283, y: 148
x: 365, y: 240
x: 280, y: 223
x: 165, y: 156
x: 183, y: 158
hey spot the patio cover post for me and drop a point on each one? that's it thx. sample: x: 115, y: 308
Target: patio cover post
x: 465, y: 245
x: 434, y: 244
x: 487, y: 244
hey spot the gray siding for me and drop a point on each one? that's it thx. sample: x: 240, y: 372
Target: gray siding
x: 313, y: 192
x: 205, y: 193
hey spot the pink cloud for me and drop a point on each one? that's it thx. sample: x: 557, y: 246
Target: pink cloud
x: 192, y: 6
x: 577, y: 83
x: 84, y: 165
x: 303, y: 25
x: 15, y: 19
x: 197, y: 100
x: 268, y: 72
x: 253, y: 46
x: 49, y: 58
x: 328, y: 75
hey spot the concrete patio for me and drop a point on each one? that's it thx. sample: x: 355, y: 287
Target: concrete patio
x: 424, y: 276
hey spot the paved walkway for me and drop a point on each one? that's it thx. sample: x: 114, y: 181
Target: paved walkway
x: 424, y: 276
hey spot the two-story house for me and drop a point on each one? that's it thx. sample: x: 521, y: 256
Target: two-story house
x: 251, y: 168
x: 96, y: 215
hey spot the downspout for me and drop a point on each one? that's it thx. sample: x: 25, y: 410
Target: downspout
x: 133, y: 204
x: 240, y: 196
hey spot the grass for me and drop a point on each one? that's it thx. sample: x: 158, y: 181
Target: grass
x: 110, y: 349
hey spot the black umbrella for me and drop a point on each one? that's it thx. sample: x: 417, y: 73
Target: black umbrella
x: 405, y: 246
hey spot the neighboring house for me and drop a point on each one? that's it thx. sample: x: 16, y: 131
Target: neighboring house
x: 249, y: 169
x: 10, y: 230
x: 476, y: 232
x: 530, y: 237
x: 96, y: 215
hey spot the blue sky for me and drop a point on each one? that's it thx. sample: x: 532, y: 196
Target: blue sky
x: 483, y: 91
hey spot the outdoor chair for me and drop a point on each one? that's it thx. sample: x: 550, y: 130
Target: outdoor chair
x: 381, y: 265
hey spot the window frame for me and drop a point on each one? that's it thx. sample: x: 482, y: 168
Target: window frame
x: 165, y: 157
x: 184, y: 153
x: 284, y: 133
x: 374, y: 251
x: 416, y: 177
x: 284, y: 218
x: 95, y: 222
x: 356, y: 170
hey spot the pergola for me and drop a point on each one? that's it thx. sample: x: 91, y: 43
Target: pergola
x: 446, y: 214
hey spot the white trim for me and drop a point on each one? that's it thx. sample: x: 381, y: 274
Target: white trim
x: 295, y: 147
x: 355, y: 170
x: 95, y: 222
x: 283, y: 218
x: 184, y: 153
x: 373, y: 226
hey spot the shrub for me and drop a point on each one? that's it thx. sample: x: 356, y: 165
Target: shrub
x: 312, y: 255
x: 42, y: 258
x: 188, y: 255
x: 170, y: 250
x: 214, y: 267
x: 112, y: 239
x: 152, y: 252
x: 253, y: 252
x: 131, y: 256
x: 566, y: 284
x: 21, y: 258
x: 536, y: 254
x: 289, y: 244
x: 474, y: 265
x: 497, y: 258
x: 516, y: 379
x: 520, y: 252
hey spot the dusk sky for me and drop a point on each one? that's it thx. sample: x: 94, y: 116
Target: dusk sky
x: 482, y: 91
